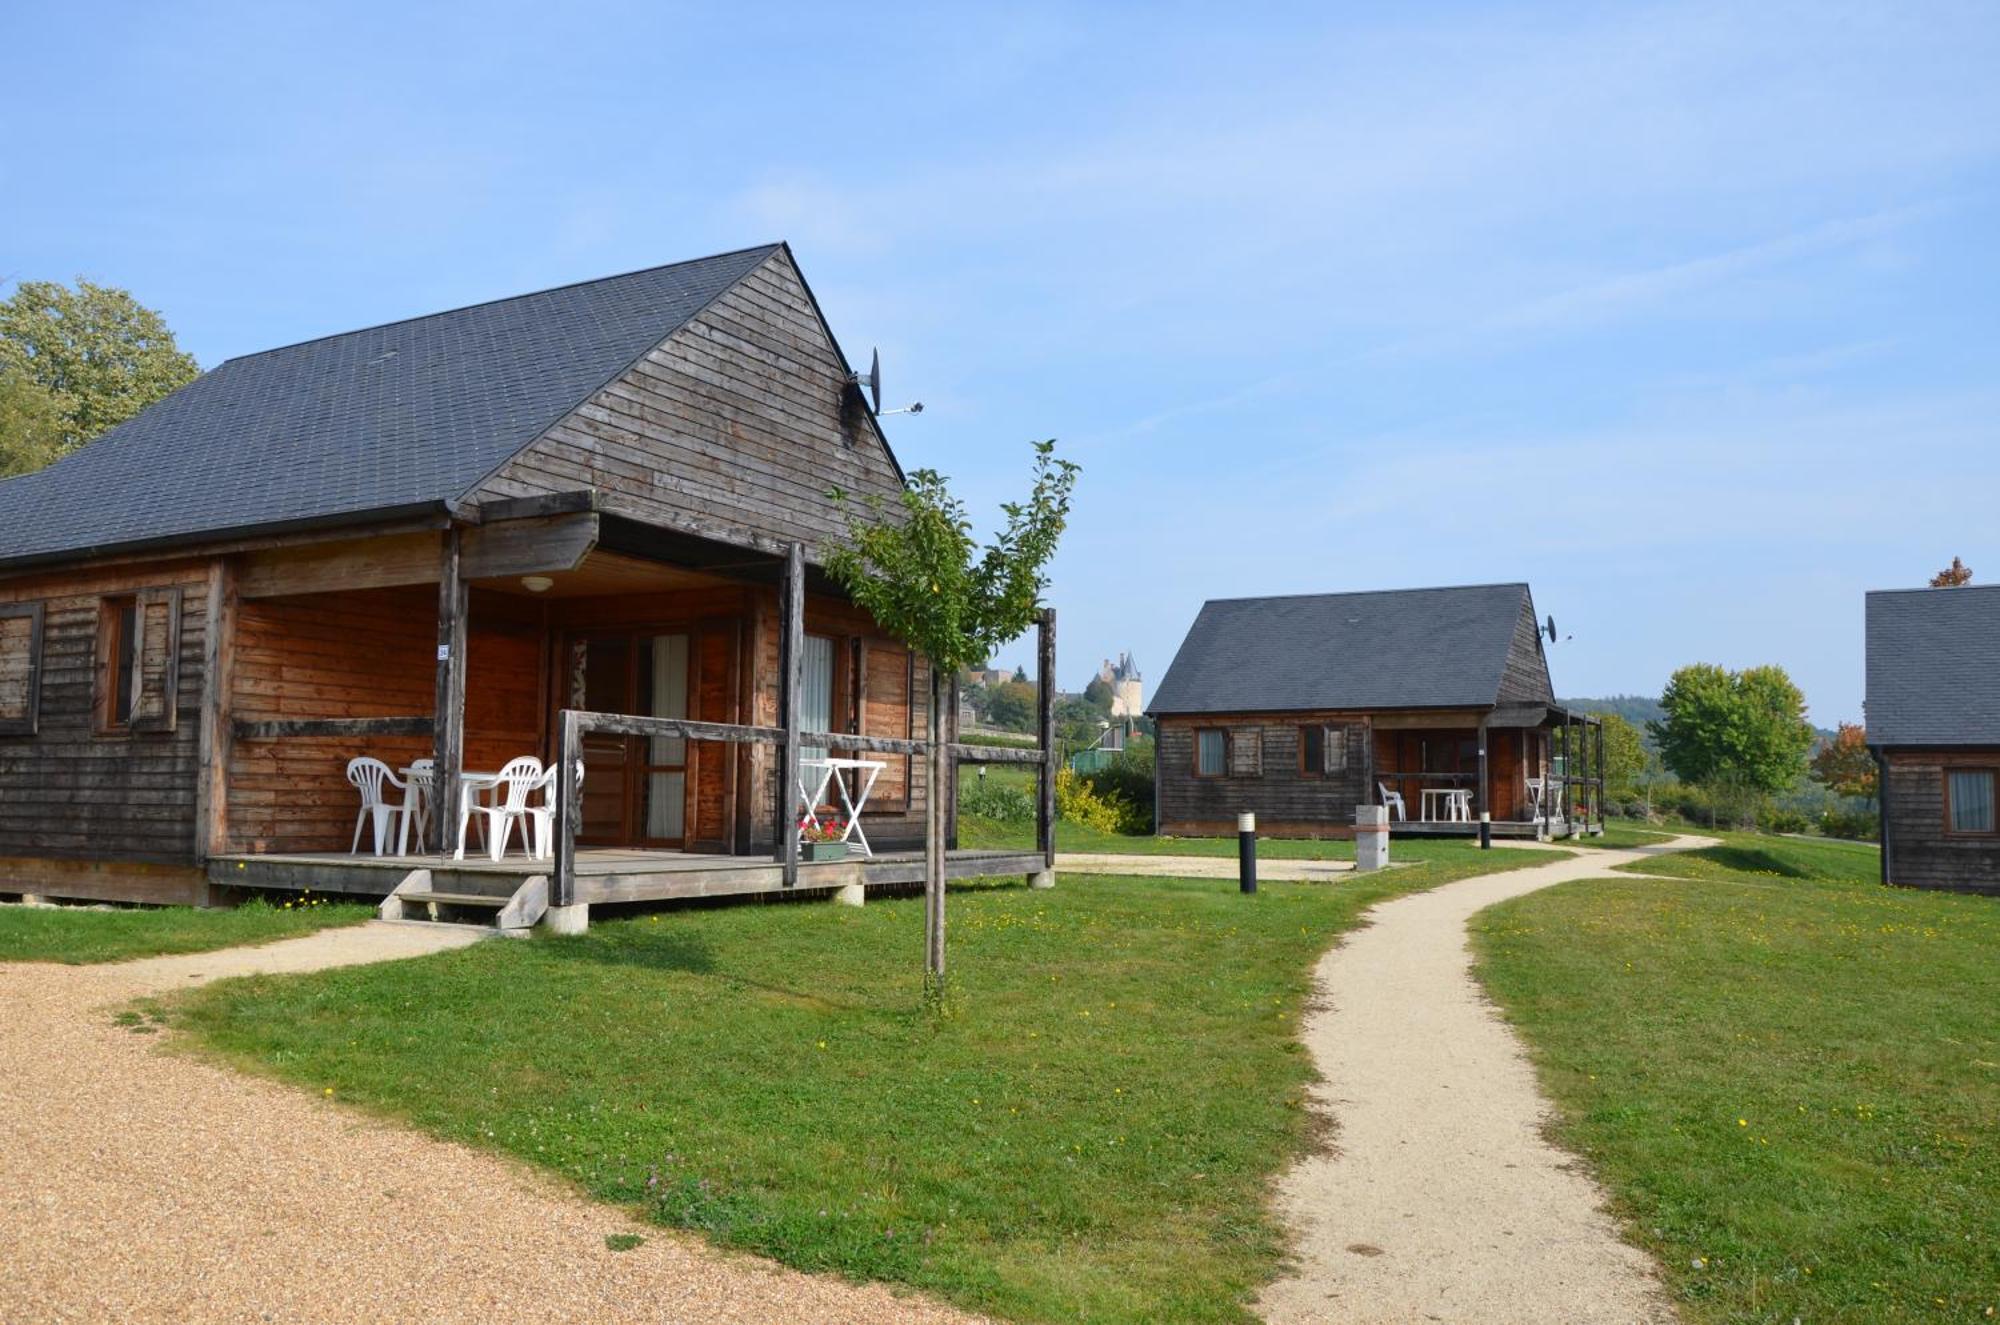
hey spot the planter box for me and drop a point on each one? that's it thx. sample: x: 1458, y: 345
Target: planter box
x: 815, y: 851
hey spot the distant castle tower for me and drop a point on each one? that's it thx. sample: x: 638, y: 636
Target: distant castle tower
x: 1128, y: 695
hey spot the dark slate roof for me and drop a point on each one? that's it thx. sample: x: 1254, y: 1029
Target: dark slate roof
x: 413, y: 413
x: 1399, y: 648
x: 1934, y: 666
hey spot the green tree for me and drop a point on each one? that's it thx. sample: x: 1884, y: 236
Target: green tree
x: 99, y: 354
x: 30, y: 431
x: 1625, y: 758
x: 1742, y: 734
x: 1011, y: 706
x: 921, y: 576
x: 1098, y: 695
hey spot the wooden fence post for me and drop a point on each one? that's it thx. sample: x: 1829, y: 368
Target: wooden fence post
x: 934, y: 838
x: 1045, y: 702
x: 448, y: 734
x: 791, y: 678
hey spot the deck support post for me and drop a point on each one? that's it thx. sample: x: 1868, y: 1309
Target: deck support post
x: 1485, y: 794
x: 791, y: 680
x: 1045, y: 735
x: 569, y: 811
x: 448, y: 731
x: 934, y: 837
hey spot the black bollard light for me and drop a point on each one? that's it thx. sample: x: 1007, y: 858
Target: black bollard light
x: 1485, y: 830
x: 1246, y: 852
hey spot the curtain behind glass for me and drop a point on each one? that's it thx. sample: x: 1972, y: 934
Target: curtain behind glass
x: 1972, y: 801
x: 666, y: 682
x: 816, y: 694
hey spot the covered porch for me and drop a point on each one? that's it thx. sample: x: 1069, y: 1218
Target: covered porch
x: 1525, y: 771
x: 693, y: 683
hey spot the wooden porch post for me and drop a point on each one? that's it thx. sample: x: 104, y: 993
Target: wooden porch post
x: 569, y: 792
x: 1485, y: 793
x: 791, y: 679
x: 448, y: 734
x: 934, y: 834
x: 1045, y: 703
x: 217, y: 734
x: 1599, y: 765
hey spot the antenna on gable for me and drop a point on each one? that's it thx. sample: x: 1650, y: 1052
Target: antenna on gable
x: 872, y: 379
x: 872, y: 382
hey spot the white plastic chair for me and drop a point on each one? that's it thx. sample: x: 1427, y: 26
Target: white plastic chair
x: 369, y: 777
x: 417, y: 803
x: 542, y: 816
x: 510, y: 806
x: 1393, y: 800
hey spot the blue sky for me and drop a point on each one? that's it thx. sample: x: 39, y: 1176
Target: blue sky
x: 1684, y: 314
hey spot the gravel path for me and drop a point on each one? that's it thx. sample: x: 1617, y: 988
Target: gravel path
x: 1441, y: 1199
x: 139, y: 1186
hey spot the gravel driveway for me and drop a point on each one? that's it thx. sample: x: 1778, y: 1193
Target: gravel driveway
x: 137, y: 1185
x: 1441, y: 1199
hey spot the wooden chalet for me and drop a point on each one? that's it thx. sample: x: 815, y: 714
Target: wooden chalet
x: 1934, y: 726
x: 1300, y: 709
x: 583, y: 522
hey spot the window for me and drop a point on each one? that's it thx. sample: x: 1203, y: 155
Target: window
x: 1211, y: 752
x: 20, y: 667
x: 117, y: 661
x: 1322, y: 750
x: 138, y: 661
x: 1969, y: 800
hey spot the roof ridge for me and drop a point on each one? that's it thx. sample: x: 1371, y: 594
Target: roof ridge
x: 767, y: 249
x: 1368, y: 593
x: 1927, y: 588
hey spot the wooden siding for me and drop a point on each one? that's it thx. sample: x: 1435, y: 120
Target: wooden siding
x: 1526, y: 677
x: 363, y: 654
x: 1286, y: 803
x: 69, y: 791
x: 734, y: 427
x: 1921, y: 853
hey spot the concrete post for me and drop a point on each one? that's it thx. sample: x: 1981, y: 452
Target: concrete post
x: 1371, y: 837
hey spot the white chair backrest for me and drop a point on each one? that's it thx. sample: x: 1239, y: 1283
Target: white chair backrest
x: 368, y: 776
x: 1388, y: 796
x: 422, y: 770
x: 517, y: 779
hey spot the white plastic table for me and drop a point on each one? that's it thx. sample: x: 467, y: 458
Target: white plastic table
x: 470, y: 783
x: 1432, y: 797
x: 816, y: 775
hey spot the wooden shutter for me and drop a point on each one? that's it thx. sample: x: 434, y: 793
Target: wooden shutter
x: 1336, y: 750
x: 886, y: 684
x: 1246, y: 752
x: 20, y: 668
x: 156, y: 654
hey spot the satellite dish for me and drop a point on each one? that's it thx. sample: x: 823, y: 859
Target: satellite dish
x: 1550, y: 630
x: 872, y: 380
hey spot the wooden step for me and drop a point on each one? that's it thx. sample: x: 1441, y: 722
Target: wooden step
x: 457, y: 899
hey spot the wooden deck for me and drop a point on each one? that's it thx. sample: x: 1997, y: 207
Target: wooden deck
x: 1507, y: 828
x: 605, y: 875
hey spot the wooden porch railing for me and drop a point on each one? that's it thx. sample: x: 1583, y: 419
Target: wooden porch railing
x: 578, y: 723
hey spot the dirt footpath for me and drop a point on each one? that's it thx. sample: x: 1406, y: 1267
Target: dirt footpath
x: 1441, y: 1200
x: 137, y: 1185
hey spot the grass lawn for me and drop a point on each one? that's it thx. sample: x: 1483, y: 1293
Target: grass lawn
x: 1788, y: 1075
x: 81, y: 935
x: 1087, y: 1135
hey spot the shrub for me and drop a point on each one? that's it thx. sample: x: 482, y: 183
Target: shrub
x: 1775, y: 819
x: 1128, y: 782
x: 1859, y: 825
x: 995, y: 800
x: 1076, y: 802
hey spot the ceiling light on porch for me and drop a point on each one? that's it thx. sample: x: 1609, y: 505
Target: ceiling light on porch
x: 537, y: 583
